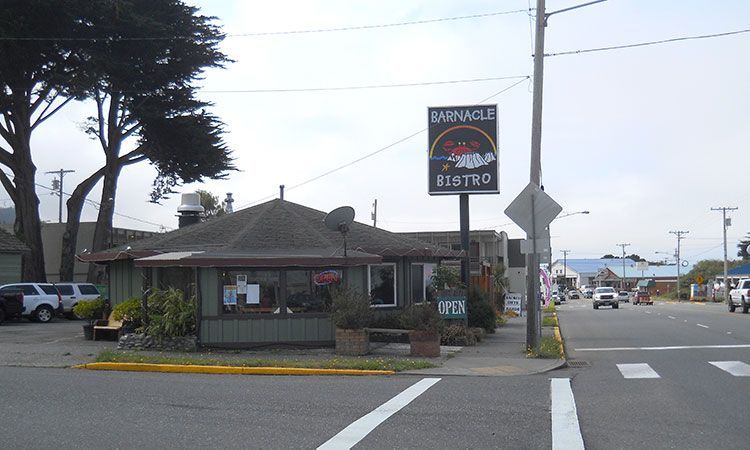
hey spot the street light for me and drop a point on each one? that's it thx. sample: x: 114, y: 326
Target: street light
x: 550, y: 236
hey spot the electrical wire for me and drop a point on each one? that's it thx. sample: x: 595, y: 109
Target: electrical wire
x: 369, y: 155
x: 270, y: 33
x: 644, y: 44
x: 372, y: 86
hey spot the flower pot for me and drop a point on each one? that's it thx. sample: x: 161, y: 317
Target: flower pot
x: 88, y: 332
x: 424, y: 343
x: 352, y: 342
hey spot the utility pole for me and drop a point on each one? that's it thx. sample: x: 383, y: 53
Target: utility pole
x: 624, y: 277
x: 565, y: 266
x: 60, y: 173
x: 374, y: 214
x: 533, y: 317
x: 679, y: 235
x: 725, y: 223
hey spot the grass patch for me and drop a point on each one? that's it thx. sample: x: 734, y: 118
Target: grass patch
x: 550, y: 307
x: 500, y: 320
x: 549, y: 321
x: 549, y: 348
x: 394, y: 364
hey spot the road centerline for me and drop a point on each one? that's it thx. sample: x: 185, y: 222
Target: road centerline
x: 701, y: 325
x: 356, y: 431
x: 566, y: 431
x: 674, y: 347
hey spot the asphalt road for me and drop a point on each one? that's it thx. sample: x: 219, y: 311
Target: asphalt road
x: 684, y: 401
x: 676, y: 398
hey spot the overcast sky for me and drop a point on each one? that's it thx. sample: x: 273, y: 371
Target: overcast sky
x: 647, y: 139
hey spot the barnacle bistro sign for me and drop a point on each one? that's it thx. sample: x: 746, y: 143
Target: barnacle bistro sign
x: 463, y: 150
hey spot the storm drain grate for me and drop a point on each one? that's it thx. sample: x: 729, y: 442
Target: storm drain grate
x: 578, y: 363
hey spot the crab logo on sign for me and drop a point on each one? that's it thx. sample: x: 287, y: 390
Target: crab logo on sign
x: 463, y: 150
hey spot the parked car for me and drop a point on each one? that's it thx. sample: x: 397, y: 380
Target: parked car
x: 11, y: 305
x: 740, y: 296
x: 642, y: 297
x: 588, y: 293
x: 574, y: 294
x: 41, y: 301
x: 72, y: 293
x: 623, y: 296
x: 605, y: 296
x: 555, y: 297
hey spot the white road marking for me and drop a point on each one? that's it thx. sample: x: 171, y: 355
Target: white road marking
x: 671, y: 317
x: 729, y: 332
x: 676, y: 347
x: 685, y: 321
x: 736, y: 368
x: 648, y: 312
x: 642, y: 370
x: 566, y: 432
x: 351, y: 435
x: 701, y: 325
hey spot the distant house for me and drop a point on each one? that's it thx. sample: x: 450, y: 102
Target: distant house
x: 261, y: 275
x: 11, y: 250
x: 580, y: 272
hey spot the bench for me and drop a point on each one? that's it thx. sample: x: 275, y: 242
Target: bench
x: 386, y: 331
x: 110, y: 327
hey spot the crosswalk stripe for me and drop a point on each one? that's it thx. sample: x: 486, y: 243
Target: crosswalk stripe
x: 642, y: 370
x: 736, y: 368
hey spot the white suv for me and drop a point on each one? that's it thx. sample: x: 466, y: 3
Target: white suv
x: 605, y: 296
x: 41, y: 301
x: 72, y: 293
x: 740, y: 296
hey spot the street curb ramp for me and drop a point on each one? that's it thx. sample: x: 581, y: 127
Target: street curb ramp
x: 225, y: 370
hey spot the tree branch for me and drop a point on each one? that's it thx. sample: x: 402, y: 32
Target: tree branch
x: 6, y: 158
x: 126, y: 133
x: 8, y: 185
x: 41, y: 97
x: 42, y: 117
x: 100, y: 115
x: 132, y: 156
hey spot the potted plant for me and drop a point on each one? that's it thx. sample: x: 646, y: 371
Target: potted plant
x: 130, y: 313
x: 90, y: 310
x: 425, y: 323
x: 351, y: 314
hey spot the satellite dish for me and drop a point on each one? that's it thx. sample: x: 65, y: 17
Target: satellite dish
x: 339, y: 220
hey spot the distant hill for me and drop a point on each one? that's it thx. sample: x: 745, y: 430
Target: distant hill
x: 7, y: 215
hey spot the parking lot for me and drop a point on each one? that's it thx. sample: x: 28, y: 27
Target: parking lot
x: 59, y: 343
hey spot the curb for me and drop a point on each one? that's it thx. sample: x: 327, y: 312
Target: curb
x: 559, y: 339
x: 227, y: 370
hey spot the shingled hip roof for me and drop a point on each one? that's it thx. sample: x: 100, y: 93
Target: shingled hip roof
x: 273, y: 231
x: 11, y: 244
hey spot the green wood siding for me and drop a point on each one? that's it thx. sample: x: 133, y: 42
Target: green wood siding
x: 10, y: 268
x: 125, y: 281
x: 231, y: 331
x: 208, y: 278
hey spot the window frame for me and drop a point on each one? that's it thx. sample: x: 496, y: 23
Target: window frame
x: 424, y: 285
x: 395, y: 283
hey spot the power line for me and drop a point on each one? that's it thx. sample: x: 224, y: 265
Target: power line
x: 371, y: 154
x: 644, y: 44
x: 371, y: 86
x: 269, y: 33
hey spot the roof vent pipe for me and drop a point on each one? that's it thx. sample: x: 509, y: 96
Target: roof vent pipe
x: 281, y: 192
x: 190, y: 211
x: 228, y: 203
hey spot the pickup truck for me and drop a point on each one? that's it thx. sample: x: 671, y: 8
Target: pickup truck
x: 11, y: 305
x: 740, y: 296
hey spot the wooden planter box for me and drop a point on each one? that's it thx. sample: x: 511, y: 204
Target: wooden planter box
x: 352, y: 342
x: 425, y: 343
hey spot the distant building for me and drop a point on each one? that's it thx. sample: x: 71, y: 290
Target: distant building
x: 52, y: 234
x: 486, y: 248
x: 11, y: 250
x: 580, y: 272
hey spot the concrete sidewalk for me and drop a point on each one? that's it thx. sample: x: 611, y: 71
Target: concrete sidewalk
x: 499, y: 354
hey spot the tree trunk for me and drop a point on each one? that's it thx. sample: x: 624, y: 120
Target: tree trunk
x: 103, y: 231
x: 70, y: 237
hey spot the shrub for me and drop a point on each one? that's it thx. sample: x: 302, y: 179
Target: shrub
x: 129, y: 311
x: 351, y: 309
x: 480, y: 312
x: 457, y: 335
x: 89, y: 309
x: 424, y: 317
x: 169, y: 314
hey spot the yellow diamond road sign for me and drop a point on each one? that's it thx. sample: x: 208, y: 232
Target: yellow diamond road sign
x: 699, y: 279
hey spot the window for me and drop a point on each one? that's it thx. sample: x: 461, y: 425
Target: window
x: 27, y: 289
x: 88, y: 289
x: 310, y: 290
x: 250, y: 291
x: 65, y: 289
x: 48, y: 289
x: 421, y: 283
x: 381, y: 281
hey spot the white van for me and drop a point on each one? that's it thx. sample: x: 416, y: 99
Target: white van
x: 72, y: 293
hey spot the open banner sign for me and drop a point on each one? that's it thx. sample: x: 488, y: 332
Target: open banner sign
x: 452, y: 304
